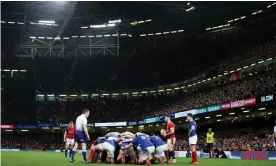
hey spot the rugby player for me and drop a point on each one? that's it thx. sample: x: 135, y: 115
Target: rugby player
x: 160, y: 147
x: 92, y: 150
x: 69, y: 138
x: 81, y: 135
x: 170, y: 135
x: 145, y: 148
x: 107, y: 145
x: 192, y: 138
x: 127, y: 139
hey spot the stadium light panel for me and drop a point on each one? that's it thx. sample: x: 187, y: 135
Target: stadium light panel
x: 176, y: 88
x: 143, y: 35
x: 95, y: 94
x: 196, y: 118
x: 262, y: 108
x: 207, y: 117
x: 207, y: 29
x: 182, y: 87
x: 253, y: 64
x: 269, y: 59
x: 114, y: 34
x: 106, y: 35
x: 111, y: 25
x: 105, y: 94
x: 236, y: 19
x: 150, y: 34
x: 153, y: 91
x: 220, y: 26
x: 123, y: 34
x: 74, y: 36
x: 129, y: 127
x: 214, y: 77
x: 254, y: 13
x: 3, y: 22
x: 11, y: 22
x: 243, y: 17
x: 82, y: 36
x: 190, y: 9
x: 245, y: 111
x: 260, y: 11
x: 194, y: 84
x: 166, y: 33
x: 247, y: 116
x: 157, y: 125
x: 8, y: 130
x: 57, y: 38
x: 23, y: 70
x: 99, y: 35
x: 158, y: 33
x: 232, y: 113
x: 144, y: 92
x: 119, y: 127
x: 84, y: 95
x: 161, y: 90
x: 139, y: 22
x: 273, y: 3
x: 40, y: 95
x: 62, y: 95
x: 245, y: 67
x: 20, y: 23
x: 65, y: 38
x: 232, y: 71
x: 41, y: 37
x: 24, y: 130
x: 188, y: 3
x: 169, y: 89
x: 148, y: 20
x: 208, y: 79
x: 218, y: 115
x: 203, y: 80
x: 181, y: 30
x: 73, y: 95
x: 238, y: 69
x: 230, y: 21
x: 14, y: 70
x: 115, y: 94
x: 226, y: 25
x: 260, y: 61
x: 49, y: 38
x: 269, y: 113
x: 51, y: 95
x: 218, y: 120
x: 173, y: 31
x: 32, y: 37
x: 84, y: 27
x: 134, y: 23
x: 268, y: 6
x: 214, y: 27
x: 219, y: 75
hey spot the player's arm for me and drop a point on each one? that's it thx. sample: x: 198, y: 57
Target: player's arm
x: 84, y: 126
x: 128, y: 146
x: 192, y: 129
x: 171, y: 131
x: 127, y: 140
x: 64, y: 136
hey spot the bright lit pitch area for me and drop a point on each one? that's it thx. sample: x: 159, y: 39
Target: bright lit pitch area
x: 57, y: 159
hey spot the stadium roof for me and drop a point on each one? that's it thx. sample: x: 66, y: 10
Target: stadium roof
x: 146, y: 17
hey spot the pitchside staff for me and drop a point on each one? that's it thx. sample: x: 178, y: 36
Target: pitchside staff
x: 210, y: 139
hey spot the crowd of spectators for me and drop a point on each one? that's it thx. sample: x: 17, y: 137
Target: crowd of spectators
x: 246, y: 139
x: 149, y: 106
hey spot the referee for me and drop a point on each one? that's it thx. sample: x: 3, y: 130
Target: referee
x: 210, y: 139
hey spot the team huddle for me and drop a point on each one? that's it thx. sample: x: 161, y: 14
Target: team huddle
x: 126, y: 147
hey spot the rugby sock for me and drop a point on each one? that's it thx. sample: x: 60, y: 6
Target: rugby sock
x: 66, y: 151
x: 70, y: 153
x: 167, y: 155
x: 172, y: 154
x: 73, y: 155
x: 84, y: 155
x: 194, y: 156
x: 91, y: 154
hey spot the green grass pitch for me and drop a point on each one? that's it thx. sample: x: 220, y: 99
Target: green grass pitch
x: 57, y: 159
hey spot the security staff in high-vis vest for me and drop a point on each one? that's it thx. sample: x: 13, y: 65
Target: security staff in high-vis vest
x: 210, y: 140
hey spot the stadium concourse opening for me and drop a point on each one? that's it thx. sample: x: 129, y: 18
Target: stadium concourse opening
x: 116, y: 83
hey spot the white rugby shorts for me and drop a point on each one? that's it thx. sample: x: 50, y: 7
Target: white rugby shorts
x: 110, y: 149
x: 193, y: 140
x: 144, y: 154
x: 70, y: 141
x: 160, y: 149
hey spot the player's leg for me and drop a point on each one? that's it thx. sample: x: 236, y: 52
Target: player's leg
x: 130, y: 152
x: 66, y: 147
x: 84, y: 151
x: 72, y: 159
x: 121, y: 156
x: 157, y: 154
x: 167, y: 154
x: 71, y: 145
x: 110, y: 153
x: 192, y: 142
x: 91, y: 153
x: 171, y: 143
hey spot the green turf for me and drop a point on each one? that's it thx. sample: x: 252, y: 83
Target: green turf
x: 57, y: 159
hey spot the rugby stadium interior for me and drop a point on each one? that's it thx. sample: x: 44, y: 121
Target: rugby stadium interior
x: 132, y: 63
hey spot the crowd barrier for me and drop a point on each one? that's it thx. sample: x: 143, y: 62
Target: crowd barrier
x: 244, y: 155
